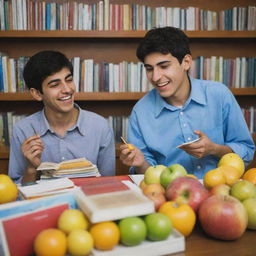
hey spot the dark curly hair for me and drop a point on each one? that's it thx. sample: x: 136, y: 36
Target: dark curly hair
x: 43, y: 64
x: 164, y: 40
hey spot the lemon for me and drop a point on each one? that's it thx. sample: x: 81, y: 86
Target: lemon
x: 8, y: 189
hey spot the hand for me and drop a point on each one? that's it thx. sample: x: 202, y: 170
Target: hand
x: 131, y: 157
x: 200, y: 148
x: 32, y: 149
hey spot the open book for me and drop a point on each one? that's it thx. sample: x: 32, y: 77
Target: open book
x: 112, y: 199
x: 46, y: 188
x: 79, y: 167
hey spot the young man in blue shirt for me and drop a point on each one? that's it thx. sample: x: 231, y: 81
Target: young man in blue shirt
x: 61, y: 131
x: 180, y: 109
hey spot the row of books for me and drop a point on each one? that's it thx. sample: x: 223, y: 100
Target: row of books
x: 250, y: 118
x: 235, y: 73
x: 131, y: 77
x: 69, y: 15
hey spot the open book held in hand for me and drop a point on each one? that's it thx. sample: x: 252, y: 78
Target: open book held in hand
x: 112, y: 199
x: 79, y: 167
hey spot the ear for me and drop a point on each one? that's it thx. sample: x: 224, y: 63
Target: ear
x: 36, y: 94
x: 187, y: 62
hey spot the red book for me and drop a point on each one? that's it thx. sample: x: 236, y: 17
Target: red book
x: 18, y: 232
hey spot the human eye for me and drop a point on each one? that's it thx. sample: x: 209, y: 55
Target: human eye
x: 148, y: 68
x: 69, y: 79
x: 53, y: 85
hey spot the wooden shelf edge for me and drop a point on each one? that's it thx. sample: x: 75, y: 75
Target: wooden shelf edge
x: 118, y: 34
x: 88, y: 96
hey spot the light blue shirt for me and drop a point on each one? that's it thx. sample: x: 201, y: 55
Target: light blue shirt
x: 91, y: 138
x: 157, y: 127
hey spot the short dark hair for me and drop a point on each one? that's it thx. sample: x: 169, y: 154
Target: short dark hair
x: 164, y: 40
x: 43, y: 64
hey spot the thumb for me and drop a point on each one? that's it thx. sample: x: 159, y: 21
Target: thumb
x: 199, y: 133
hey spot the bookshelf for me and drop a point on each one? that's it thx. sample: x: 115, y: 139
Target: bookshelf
x: 99, y: 44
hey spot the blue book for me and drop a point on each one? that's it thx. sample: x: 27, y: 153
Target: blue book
x: 48, y: 16
x: 1, y: 76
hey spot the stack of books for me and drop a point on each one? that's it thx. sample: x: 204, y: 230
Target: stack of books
x: 79, y: 167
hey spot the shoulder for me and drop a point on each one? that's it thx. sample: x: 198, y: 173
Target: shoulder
x: 28, y: 120
x: 92, y: 118
x: 147, y: 101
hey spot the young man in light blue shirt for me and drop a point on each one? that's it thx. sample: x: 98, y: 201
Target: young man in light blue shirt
x: 180, y: 109
x: 62, y: 130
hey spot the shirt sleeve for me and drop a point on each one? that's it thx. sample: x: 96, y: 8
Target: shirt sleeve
x: 135, y: 136
x: 17, y: 162
x: 237, y: 135
x: 106, y: 156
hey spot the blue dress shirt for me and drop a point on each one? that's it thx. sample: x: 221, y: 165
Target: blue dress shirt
x: 91, y: 138
x: 157, y: 127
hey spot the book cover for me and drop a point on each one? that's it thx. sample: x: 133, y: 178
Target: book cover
x: 112, y: 199
x: 18, y: 232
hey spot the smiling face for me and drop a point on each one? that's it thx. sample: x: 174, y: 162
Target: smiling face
x: 168, y: 76
x: 58, y: 92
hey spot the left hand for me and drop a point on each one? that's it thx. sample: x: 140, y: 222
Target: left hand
x: 200, y: 148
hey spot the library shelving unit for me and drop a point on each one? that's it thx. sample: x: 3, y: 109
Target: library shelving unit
x: 116, y: 46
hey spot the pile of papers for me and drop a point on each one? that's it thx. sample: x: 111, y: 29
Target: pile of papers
x: 74, y: 168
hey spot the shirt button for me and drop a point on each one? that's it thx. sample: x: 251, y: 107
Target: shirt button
x: 189, y: 138
x: 181, y: 113
x: 184, y: 125
x: 63, y: 158
x: 198, y: 167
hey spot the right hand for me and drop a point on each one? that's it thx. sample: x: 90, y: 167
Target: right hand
x: 131, y: 157
x: 32, y: 149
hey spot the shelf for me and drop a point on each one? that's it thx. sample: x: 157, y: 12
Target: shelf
x: 81, y: 96
x: 118, y: 34
x: 108, y: 96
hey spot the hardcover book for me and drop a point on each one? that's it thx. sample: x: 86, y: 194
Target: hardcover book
x: 112, y: 199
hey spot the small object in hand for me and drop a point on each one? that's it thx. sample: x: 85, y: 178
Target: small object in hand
x: 130, y: 146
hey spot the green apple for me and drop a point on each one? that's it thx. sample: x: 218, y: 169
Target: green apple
x: 133, y: 231
x: 159, y: 226
x: 152, y: 174
x: 243, y: 189
x: 250, y: 206
x: 171, y: 173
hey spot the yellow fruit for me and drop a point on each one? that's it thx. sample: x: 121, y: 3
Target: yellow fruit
x: 191, y: 176
x: 80, y: 242
x: 234, y: 160
x: 8, y: 189
x: 213, y: 178
x: 72, y: 219
x: 50, y: 242
x: 142, y: 184
x: 250, y: 175
x: 231, y: 174
x: 105, y: 235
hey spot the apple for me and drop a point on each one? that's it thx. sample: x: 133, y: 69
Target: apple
x: 250, y: 207
x: 133, y: 231
x: 171, y: 173
x: 158, y: 199
x: 159, y: 226
x: 187, y: 190
x: 221, y: 189
x: 243, y: 189
x: 152, y: 174
x: 223, y: 217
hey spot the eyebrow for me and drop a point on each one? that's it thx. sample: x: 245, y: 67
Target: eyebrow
x: 57, y: 80
x: 158, y: 64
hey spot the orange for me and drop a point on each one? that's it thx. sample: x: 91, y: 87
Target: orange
x: 106, y: 235
x: 234, y: 160
x: 50, y: 242
x: 231, y: 174
x: 250, y: 175
x: 8, y: 189
x: 213, y: 178
x: 182, y: 216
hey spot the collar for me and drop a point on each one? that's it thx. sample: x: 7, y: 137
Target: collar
x: 44, y: 124
x: 197, y: 95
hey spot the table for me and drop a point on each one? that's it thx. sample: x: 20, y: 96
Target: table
x: 199, y: 244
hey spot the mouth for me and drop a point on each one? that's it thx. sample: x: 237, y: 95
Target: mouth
x: 68, y: 97
x: 162, y: 84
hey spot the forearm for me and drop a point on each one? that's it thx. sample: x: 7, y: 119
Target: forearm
x: 220, y: 150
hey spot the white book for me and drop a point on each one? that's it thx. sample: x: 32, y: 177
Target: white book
x: 75, y: 17
x: 190, y: 18
x: 221, y: 69
x: 238, y: 72
x: 19, y: 14
x: 176, y: 17
x: 89, y: 76
x: 76, y: 73
x: 243, y: 72
x: 110, y: 77
x: 5, y: 72
x: 213, y: 68
x: 80, y: 16
x: 182, y: 19
x: 169, y: 16
x: 251, y: 126
x: 2, y: 15
x: 234, y: 18
x: 100, y: 15
x: 12, y: 70
x: 106, y: 14
x: 116, y: 78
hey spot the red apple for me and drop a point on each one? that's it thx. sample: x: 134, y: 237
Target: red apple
x: 221, y: 189
x: 158, y: 199
x: 187, y: 190
x: 223, y: 217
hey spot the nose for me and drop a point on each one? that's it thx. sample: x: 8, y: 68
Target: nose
x: 66, y: 87
x: 156, y: 75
